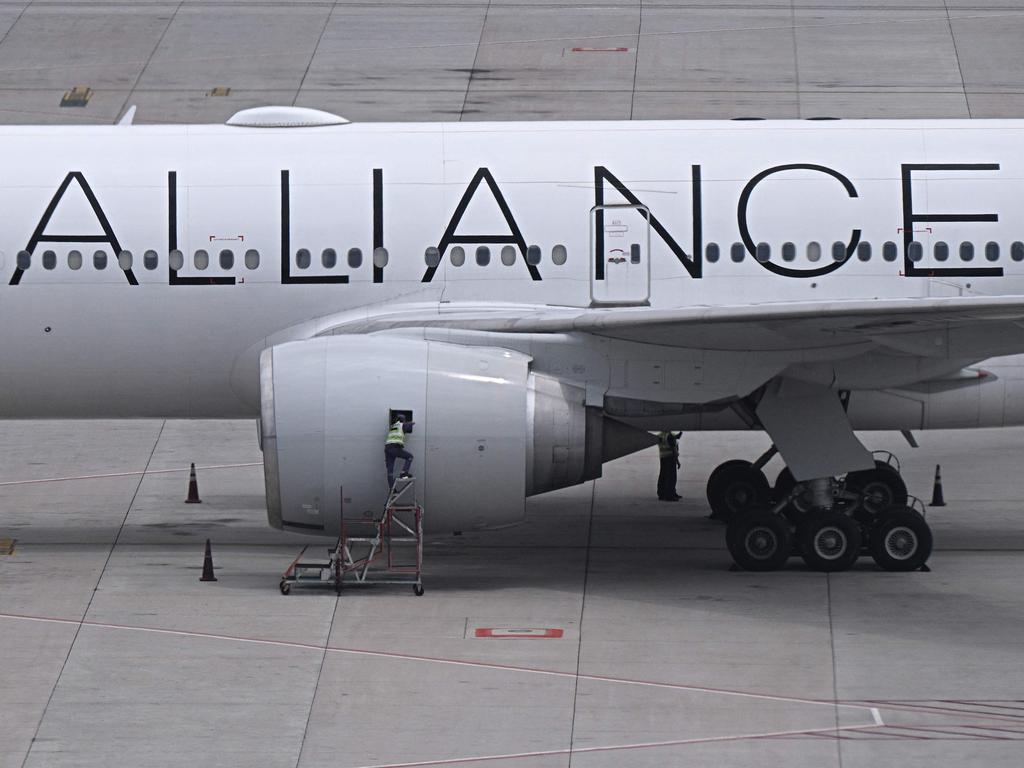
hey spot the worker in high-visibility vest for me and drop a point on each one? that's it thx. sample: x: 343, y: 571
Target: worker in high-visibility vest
x: 668, y: 453
x: 394, y: 448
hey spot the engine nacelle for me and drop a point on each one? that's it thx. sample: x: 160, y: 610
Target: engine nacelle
x: 488, y: 431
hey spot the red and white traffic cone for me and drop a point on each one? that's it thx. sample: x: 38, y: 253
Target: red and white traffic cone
x: 193, y: 487
x: 208, y: 564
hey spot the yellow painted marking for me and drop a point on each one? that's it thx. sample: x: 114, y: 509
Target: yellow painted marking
x: 7, y: 546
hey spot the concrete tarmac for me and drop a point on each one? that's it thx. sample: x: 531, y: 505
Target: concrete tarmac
x: 196, y: 61
x: 114, y: 653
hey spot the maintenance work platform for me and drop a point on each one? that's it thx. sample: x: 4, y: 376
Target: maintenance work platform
x: 371, y: 550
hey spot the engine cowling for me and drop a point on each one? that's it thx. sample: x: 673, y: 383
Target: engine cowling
x: 488, y: 431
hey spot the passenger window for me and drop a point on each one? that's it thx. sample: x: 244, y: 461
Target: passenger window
x: 737, y: 252
x: 889, y: 250
x: 303, y: 258
x: 124, y: 260
x: 176, y: 259
x: 355, y: 258
x: 380, y: 257
x: 74, y: 259
x: 711, y: 252
x: 252, y: 259
x: 966, y: 251
x: 99, y: 259
x: 788, y: 252
x: 915, y: 251
x: 838, y: 251
x: 508, y: 255
x: 458, y: 256
x: 813, y: 251
x: 992, y: 251
x: 483, y: 255
x: 329, y: 258
x: 1017, y: 251
x: 150, y: 259
x: 764, y: 252
x: 201, y: 259
x: 533, y: 255
x: 559, y: 255
x: 24, y: 260
x: 864, y: 250
x: 940, y: 250
x: 432, y: 256
x: 49, y: 259
x: 227, y: 259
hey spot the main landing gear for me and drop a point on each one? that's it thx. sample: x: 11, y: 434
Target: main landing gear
x: 829, y: 522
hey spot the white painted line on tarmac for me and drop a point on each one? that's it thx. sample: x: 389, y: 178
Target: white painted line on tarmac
x: 436, y: 660
x: 126, y: 474
x: 877, y: 715
x: 621, y: 747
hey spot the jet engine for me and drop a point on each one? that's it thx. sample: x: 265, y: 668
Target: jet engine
x: 487, y: 431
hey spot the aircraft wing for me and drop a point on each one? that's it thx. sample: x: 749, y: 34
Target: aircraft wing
x: 967, y: 326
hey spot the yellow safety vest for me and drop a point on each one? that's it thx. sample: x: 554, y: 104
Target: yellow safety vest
x: 396, y: 435
x: 664, y: 446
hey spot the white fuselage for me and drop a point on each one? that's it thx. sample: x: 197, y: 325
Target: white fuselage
x: 87, y: 342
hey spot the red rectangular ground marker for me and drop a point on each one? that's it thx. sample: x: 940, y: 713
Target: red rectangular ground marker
x: 517, y: 632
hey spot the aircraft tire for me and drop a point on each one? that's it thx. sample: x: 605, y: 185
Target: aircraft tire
x: 714, y: 483
x: 901, y: 541
x: 759, y: 541
x: 829, y: 541
x: 881, y: 487
x: 736, y: 488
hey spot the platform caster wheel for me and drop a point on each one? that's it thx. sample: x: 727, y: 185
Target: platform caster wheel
x: 881, y: 487
x: 736, y: 488
x: 829, y: 541
x: 285, y: 587
x: 417, y: 589
x: 759, y: 541
x: 902, y: 541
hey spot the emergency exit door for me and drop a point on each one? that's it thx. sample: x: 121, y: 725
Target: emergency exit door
x: 620, y: 248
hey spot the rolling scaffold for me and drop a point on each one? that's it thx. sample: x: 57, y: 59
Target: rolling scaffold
x: 383, y: 550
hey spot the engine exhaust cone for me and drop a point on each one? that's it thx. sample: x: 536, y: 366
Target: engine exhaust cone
x: 937, y: 499
x: 193, y: 487
x: 208, y: 564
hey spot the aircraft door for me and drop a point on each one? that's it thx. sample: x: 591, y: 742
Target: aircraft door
x: 620, y: 248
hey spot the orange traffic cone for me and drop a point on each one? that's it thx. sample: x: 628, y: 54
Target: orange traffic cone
x: 208, y: 564
x: 193, y: 487
x: 937, y: 499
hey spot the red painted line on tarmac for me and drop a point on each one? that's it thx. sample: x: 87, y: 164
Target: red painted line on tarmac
x: 125, y: 474
x: 983, y: 704
x: 437, y: 660
x: 991, y: 728
x: 926, y: 709
x: 943, y: 730
x: 883, y: 731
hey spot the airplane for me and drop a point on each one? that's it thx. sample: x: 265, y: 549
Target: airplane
x: 540, y: 297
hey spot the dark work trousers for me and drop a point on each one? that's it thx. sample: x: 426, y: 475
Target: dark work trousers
x: 667, y: 478
x: 393, y: 451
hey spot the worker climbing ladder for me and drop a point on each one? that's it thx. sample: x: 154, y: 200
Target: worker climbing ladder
x: 383, y: 550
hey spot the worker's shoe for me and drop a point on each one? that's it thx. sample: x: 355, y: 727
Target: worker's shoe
x: 406, y: 476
